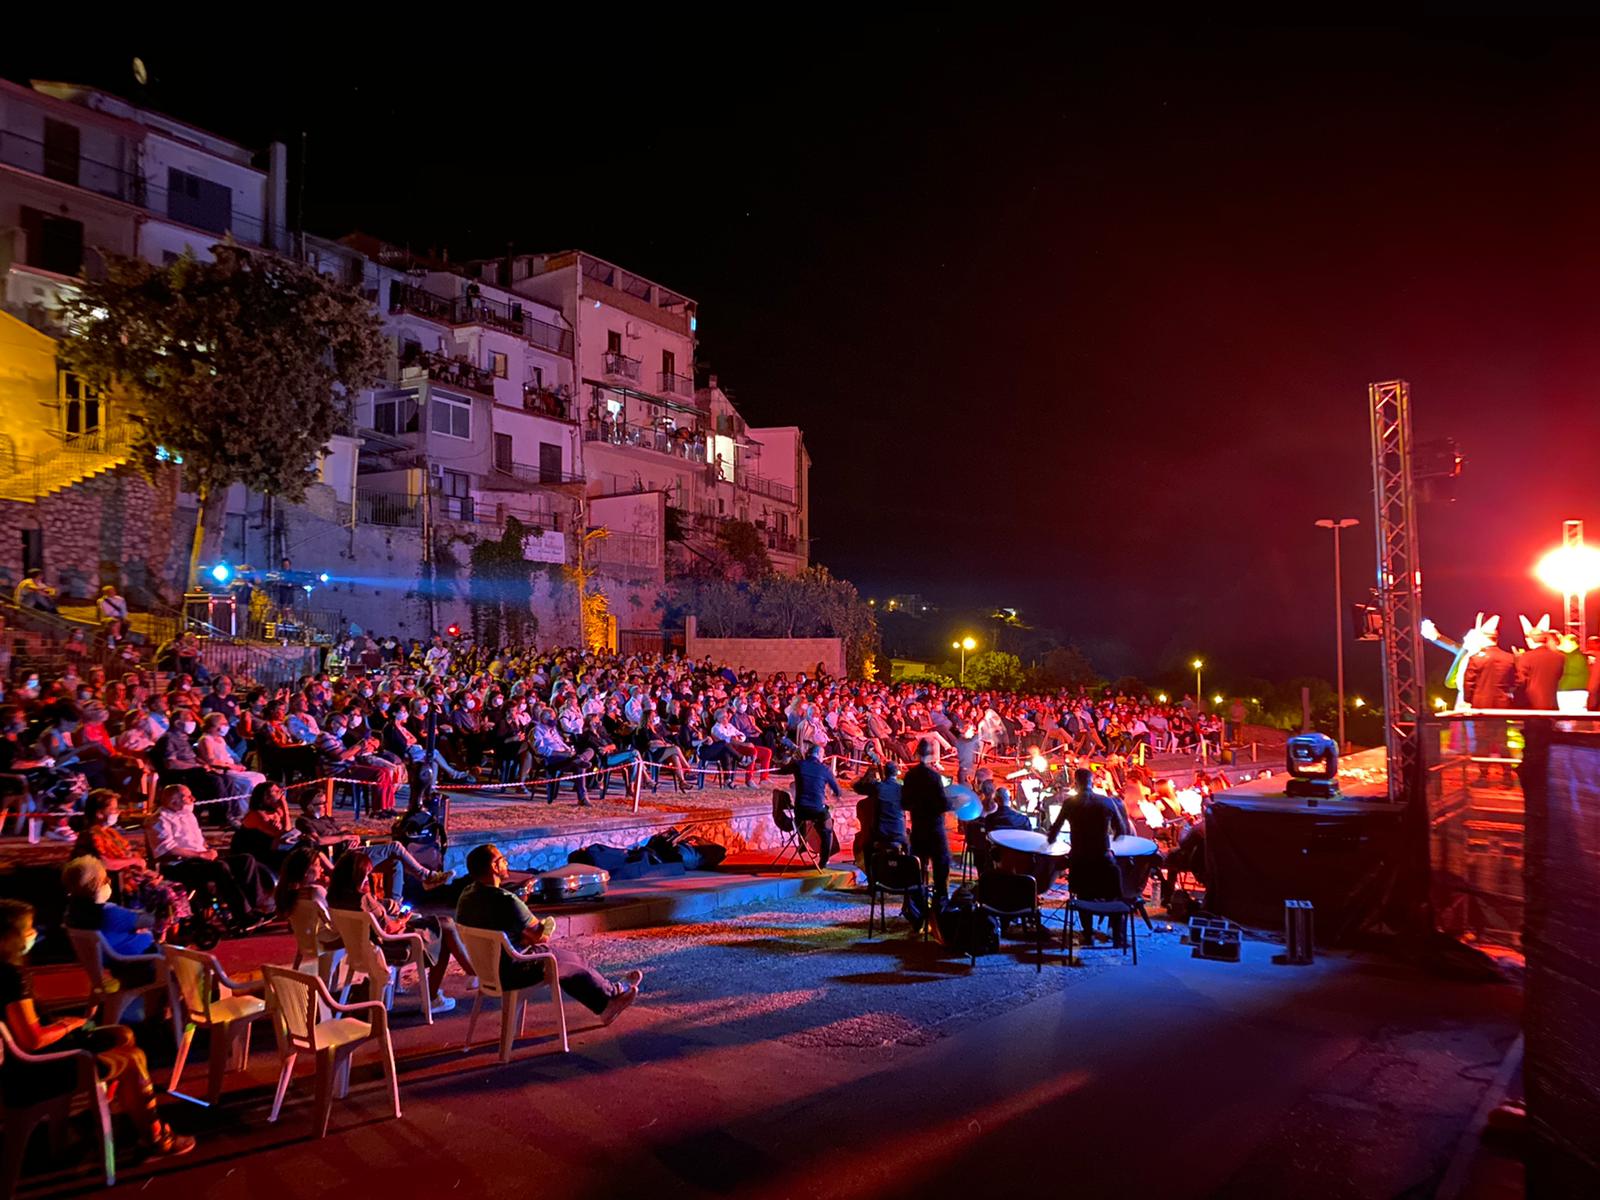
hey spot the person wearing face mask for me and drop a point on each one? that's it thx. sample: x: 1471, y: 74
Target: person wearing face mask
x: 181, y: 854
x: 89, y: 907
x: 429, y: 724
x: 118, y: 1060
x: 559, y: 757
x: 217, y: 756
x: 164, y: 900
x: 340, y: 755
x: 176, y: 762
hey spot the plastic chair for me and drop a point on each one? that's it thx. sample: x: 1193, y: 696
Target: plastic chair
x: 898, y: 873
x: 364, y: 958
x: 484, y: 947
x: 87, y: 1091
x: 108, y: 1003
x: 1008, y: 894
x: 308, y: 1020
x: 208, y: 997
x: 310, y: 923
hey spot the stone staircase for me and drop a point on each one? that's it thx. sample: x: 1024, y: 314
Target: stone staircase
x: 31, y: 479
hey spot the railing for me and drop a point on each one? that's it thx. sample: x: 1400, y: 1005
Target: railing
x: 625, y: 550
x: 766, y: 487
x: 783, y: 543
x: 406, y: 297
x: 395, y: 510
x: 529, y: 475
x: 622, y: 367
x: 508, y: 316
x: 669, y: 384
x: 28, y: 477
x: 680, y: 443
x: 548, y: 402
x: 455, y: 371
x: 649, y: 641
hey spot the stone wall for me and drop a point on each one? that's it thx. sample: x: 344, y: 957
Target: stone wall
x: 749, y: 827
x: 767, y: 655
x: 114, y: 528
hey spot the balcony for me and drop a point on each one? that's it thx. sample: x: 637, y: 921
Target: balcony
x: 548, y: 402
x: 508, y: 317
x: 526, y: 475
x: 766, y: 487
x: 455, y: 372
x: 391, y: 509
x: 398, y: 511
x: 686, y: 444
x: 669, y: 384
x: 620, y: 366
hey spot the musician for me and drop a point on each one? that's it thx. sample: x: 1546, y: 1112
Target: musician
x: 925, y: 800
x: 882, y: 814
x: 813, y: 780
x: 1094, y: 820
x: 1004, y: 816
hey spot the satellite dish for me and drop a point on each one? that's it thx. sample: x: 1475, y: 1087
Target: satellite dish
x: 140, y: 75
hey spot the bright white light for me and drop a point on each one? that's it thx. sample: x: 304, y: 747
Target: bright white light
x: 1571, y: 570
x: 324, y: 577
x: 222, y: 572
x: 1189, y: 800
x: 1039, y: 763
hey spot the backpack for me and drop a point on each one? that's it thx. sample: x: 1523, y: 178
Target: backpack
x: 964, y: 929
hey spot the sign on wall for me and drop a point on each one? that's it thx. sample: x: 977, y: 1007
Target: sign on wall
x: 547, y: 547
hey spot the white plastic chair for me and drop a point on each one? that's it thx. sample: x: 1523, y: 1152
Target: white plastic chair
x: 108, y: 1003
x: 484, y: 947
x: 311, y: 924
x: 363, y: 956
x: 308, y: 1020
x: 205, y: 996
x: 87, y: 1091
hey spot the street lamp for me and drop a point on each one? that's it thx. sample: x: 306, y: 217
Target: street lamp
x: 1573, y: 569
x: 1199, y: 695
x: 1338, y: 526
x: 964, y: 645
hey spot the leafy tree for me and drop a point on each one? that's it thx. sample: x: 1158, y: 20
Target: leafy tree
x: 1066, y: 666
x: 242, y: 368
x: 746, y: 552
x: 1130, y: 685
x: 994, y: 669
x: 501, y: 583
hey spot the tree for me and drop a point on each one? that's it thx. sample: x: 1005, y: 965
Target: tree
x: 746, y: 552
x: 1066, y: 666
x: 994, y: 669
x: 500, y: 587
x: 241, y: 368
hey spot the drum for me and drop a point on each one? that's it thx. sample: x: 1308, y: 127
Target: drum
x: 1027, y: 853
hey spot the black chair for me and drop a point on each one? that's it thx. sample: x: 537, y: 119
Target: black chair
x: 794, y: 848
x: 1007, y: 895
x: 1088, y: 910
x: 894, y: 872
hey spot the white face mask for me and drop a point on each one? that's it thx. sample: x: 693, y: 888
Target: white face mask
x: 111, y: 819
x: 103, y: 896
x: 29, y: 942
x: 355, y: 720
x: 188, y: 726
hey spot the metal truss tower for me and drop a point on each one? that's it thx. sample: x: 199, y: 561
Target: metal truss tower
x: 1399, y: 581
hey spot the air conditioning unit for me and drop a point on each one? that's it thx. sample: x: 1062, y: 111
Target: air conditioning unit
x: 435, y: 470
x: 631, y: 329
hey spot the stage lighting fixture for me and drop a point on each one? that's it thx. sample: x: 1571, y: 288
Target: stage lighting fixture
x: 222, y: 572
x: 1313, y: 762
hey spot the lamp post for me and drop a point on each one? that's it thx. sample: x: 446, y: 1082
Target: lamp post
x: 1573, y: 569
x: 964, y: 645
x: 1338, y: 527
x: 1199, y: 695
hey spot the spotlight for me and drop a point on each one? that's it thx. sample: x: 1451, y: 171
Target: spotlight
x: 222, y: 572
x: 325, y: 578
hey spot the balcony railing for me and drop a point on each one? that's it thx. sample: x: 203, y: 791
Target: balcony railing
x: 526, y: 474
x: 766, y: 487
x: 669, y: 384
x: 680, y: 443
x: 399, y: 511
x: 548, y: 402
x: 455, y: 371
x: 507, y: 316
x: 618, y: 549
x: 620, y: 366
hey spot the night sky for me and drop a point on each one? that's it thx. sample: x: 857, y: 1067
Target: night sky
x: 1075, y: 319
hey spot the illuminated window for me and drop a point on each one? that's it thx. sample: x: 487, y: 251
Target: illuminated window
x: 497, y: 363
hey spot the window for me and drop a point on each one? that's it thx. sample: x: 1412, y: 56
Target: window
x: 549, y: 462
x: 395, y: 415
x: 536, y: 377
x: 613, y: 342
x: 452, y: 417
x: 54, y: 243
x: 198, y: 202
x: 80, y: 406
x: 669, y: 363
x: 502, y: 452
x: 497, y: 364
x: 61, y: 151
x: 455, y: 488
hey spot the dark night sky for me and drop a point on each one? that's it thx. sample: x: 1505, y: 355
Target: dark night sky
x: 1075, y: 319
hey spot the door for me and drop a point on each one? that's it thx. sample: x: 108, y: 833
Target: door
x: 80, y: 408
x: 549, y: 463
x: 502, y: 452
x: 61, y: 151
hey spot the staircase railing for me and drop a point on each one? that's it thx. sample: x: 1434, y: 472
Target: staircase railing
x: 36, y: 475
